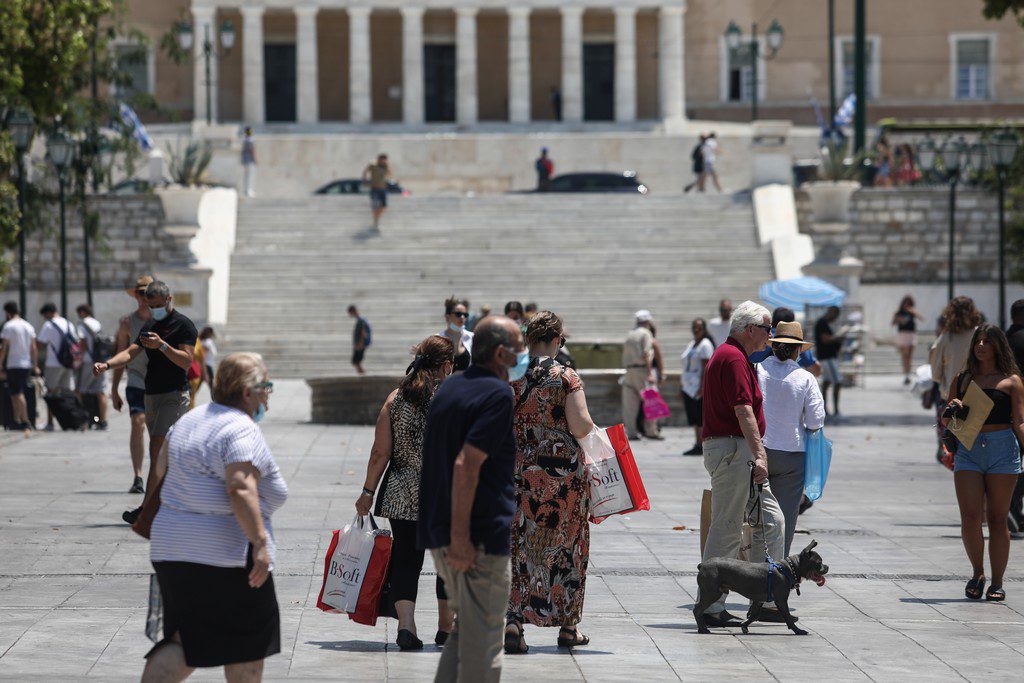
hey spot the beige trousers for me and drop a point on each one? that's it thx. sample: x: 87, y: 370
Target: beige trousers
x: 479, y: 599
x: 635, y: 381
x: 725, y: 459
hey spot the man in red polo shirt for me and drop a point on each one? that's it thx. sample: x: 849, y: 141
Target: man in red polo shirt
x: 733, y: 427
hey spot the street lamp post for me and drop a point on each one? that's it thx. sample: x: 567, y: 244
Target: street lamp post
x: 1002, y: 150
x: 775, y: 37
x: 61, y: 150
x: 22, y: 129
x: 81, y: 164
x: 227, y: 41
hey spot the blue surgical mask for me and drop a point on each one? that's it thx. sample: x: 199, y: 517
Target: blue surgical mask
x: 518, y: 371
x: 260, y: 413
x: 456, y: 328
x: 158, y: 313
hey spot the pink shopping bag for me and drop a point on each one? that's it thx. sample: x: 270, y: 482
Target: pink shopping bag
x: 655, y: 407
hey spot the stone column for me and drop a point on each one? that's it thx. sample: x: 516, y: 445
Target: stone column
x: 360, y: 104
x: 205, y: 29
x: 572, y: 64
x: 253, y: 100
x: 519, y: 64
x: 625, y: 64
x: 465, y: 65
x: 307, y: 91
x: 671, y: 88
x: 412, y: 65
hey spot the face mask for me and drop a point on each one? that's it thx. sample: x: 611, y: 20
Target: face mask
x: 158, y: 313
x: 456, y: 328
x: 261, y: 411
x: 518, y: 371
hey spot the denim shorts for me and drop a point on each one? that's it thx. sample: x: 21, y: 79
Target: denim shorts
x: 993, y: 453
x: 830, y: 370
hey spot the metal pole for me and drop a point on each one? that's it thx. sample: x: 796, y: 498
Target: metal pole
x: 85, y: 243
x: 952, y: 235
x: 22, y: 296
x: 860, y: 76
x: 1002, y: 249
x: 63, y: 249
x: 831, y: 63
x: 753, y: 70
x: 93, y: 146
x: 207, y: 48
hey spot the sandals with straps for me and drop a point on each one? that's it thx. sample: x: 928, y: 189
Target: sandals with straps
x: 995, y: 594
x: 975, y: 587
x: 515, y: 643
x: 575, y: 640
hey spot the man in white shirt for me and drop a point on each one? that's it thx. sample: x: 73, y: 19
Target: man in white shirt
x: 56, y: 376
x: 710, y: 152
x: 92, y: 388
x: 19, y: 358
x: 718, y: 327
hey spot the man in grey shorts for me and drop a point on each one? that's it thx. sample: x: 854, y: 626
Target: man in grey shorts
x: 169, y: 340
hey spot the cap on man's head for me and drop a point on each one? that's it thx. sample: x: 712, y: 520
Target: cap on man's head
x: 543, y: 150
x: 644, y: 316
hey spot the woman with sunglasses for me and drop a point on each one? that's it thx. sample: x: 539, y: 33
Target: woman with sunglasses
x: 212, y: 543
x: 550, y: 532
x: 456, y: 313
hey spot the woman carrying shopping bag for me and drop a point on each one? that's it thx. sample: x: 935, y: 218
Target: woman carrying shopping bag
x: 550, y: 533
x: 792, y: 404
x: 398, y: 446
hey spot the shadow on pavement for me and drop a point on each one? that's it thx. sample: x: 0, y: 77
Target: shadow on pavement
x: 349, y: 645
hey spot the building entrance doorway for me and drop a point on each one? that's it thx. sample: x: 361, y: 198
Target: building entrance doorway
x: 439, y: 83
x: 279, y: 82
x: 599, y: 82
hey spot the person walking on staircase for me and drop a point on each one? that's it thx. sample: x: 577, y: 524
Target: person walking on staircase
x: 710, y: 153
x: 638, y: 360
x: 698, y: 165
x: 135, y: 393
x: 360, y: 339
x: 545, y: 169
x: 249, y: 163
x: 378, y: 174
x: 718, y: 327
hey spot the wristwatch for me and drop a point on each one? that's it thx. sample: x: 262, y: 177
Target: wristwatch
x: 164, y: 346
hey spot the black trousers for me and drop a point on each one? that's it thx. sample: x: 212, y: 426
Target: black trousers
x: 407, y: 562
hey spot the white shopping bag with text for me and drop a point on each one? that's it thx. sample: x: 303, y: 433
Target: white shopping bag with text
x: 609, y: 493
x: 345, y: 566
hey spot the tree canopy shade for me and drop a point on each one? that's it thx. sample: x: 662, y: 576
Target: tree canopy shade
x: 997, y: 9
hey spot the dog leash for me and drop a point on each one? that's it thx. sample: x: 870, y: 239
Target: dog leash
x: 772, y: 564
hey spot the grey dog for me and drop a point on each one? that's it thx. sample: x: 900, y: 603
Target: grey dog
x: 750, y: 579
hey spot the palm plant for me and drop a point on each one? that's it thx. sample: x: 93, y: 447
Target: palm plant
x: 188, y: 168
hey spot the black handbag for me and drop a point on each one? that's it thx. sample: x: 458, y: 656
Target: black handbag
x: 949, y: 441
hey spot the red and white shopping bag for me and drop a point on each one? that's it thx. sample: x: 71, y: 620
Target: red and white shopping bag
x: 615, y: 484
x: 354, y: 570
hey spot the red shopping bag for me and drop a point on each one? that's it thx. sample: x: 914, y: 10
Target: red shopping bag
x: 355, y: 569
x: 655, y: 407
x: 615, y: 484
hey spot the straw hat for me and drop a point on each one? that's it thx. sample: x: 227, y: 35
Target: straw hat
x: 790, y: 333
x: 142, y: 282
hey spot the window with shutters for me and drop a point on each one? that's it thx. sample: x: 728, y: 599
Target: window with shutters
x: 973, y: 68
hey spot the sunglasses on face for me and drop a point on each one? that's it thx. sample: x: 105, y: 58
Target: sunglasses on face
x: 266, y: 387
x: 460, y: 315
x: 767, y: 328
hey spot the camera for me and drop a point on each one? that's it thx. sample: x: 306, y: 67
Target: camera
x: 955, y: 412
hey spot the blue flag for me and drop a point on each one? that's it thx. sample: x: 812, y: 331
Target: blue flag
x: 131, y: 119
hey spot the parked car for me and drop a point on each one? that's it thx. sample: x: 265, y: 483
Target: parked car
x: 357, y: 186
x: 598, y: 182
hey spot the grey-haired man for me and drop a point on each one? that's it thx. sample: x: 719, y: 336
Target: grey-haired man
x: 168, y: 340
x: 638, y: 360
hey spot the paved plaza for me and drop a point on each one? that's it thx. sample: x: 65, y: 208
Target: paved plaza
x: 73, y: 578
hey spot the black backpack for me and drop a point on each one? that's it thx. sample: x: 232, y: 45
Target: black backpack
x: 102, y: 345
x: 69, y: 349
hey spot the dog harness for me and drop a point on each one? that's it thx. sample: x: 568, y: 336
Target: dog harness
x: 787, y: 574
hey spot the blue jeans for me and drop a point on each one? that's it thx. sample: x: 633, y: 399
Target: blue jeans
x: 993, y: 453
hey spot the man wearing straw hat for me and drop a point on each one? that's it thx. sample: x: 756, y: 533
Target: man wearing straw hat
x: 792, y: 404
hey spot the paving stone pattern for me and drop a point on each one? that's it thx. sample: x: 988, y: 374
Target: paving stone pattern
x: 73, y: 579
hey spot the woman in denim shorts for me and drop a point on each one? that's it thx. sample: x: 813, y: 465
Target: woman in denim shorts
x: 985, y: 474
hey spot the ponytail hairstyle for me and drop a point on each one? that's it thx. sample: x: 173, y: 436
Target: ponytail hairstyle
x: 431, y: 355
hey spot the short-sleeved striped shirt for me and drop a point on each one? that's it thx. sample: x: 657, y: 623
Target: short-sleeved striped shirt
x: 195, y: 522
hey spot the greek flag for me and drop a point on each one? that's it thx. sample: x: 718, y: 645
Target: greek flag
x: 131, y: 119
x: 844, y: 115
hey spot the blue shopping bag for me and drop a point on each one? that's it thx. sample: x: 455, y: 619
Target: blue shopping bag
x: 818, y: 456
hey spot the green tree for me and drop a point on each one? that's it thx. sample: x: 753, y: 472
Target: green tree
x: 997, y: 9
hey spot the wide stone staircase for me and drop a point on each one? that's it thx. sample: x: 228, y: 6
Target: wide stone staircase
x: 593, y: 259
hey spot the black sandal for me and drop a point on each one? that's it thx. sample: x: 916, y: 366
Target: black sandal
x: 515, y: 643
x: 995, y: 594
x: 975, y: 588
x: 576, y: 639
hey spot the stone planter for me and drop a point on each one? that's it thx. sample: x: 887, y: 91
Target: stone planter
x: 830, y: 200
x: 181, y: 218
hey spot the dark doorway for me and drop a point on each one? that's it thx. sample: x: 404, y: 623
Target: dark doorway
x: 599, y: 82
x: 279, y: 82
x: 439, y: 82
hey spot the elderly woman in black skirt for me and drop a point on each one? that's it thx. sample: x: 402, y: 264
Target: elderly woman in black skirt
x: 212, y: 544
x: 398, y: 446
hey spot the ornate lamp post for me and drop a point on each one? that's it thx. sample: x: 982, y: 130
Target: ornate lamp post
x: 227, y: 41
x: 954, y: 157
x: 61, y: 150
x: 1002, y: 150
x: 775, y: 38
x: 22, y: 128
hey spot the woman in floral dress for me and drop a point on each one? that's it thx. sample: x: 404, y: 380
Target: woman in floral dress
x: 550, y: 532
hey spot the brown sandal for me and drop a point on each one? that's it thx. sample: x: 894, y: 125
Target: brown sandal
x: 515, y: 643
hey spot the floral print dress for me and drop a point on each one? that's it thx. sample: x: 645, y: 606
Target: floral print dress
x: 550, y: 532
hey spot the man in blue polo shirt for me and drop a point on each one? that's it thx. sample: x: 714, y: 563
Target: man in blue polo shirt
x: 467, y: 498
